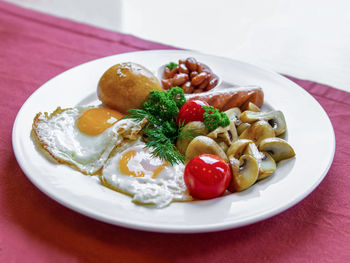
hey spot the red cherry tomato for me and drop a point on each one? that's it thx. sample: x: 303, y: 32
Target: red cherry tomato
x: 191, y: 111
x: 207, y: 176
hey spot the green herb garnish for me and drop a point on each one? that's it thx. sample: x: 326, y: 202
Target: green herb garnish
x: 187, y: 133
x: 163, y: 147
x: 161, y: 130
x: 171, y: 65
x: 213, y: 118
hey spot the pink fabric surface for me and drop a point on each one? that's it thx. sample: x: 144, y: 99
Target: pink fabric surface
x: 33, y: 228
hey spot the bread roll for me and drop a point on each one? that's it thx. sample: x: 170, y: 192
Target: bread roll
x: 126, y: 86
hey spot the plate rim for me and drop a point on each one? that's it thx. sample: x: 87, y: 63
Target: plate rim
x: 168, y: 228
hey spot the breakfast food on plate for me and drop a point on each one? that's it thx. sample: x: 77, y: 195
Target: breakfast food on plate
x: 191, y: 111
x: 224, y: 99
x: 126, y: 86
x: 161, y: 130
x: 207, y: 176
x: 236, y: 138
x: 133, y: 170
x: 83, y: 136
x: 160, y: 146
x: 190, y: 75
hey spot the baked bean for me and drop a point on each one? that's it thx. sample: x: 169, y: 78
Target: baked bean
x: 190, y: 75
x: 197, y: 80
x: 173, y: 72
x: 201, y: 68
x: 179, y: 79
x: 166, y: 73
x: 207, y: 70
x: 197, y: 91
x: 187, y: 88
x: 187, y: 84
x: 183, y: 68
x: 204, y: 84
x: 193, y: 74
x: 212, y: 83
x: 166, y: 83
x: 191, y: 64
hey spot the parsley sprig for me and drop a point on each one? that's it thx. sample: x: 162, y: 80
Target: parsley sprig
x: 171, y: 65
x: 213, y: 118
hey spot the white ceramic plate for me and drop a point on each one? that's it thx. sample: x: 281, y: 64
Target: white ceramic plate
x: 309, y: 132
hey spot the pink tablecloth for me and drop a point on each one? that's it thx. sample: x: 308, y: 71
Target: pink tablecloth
x: 33, y: 228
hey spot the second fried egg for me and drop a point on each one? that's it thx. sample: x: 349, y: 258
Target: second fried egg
x: 133, y: 170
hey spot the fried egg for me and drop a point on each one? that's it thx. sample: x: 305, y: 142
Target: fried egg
x: 133, y: 170
x: 83, y: 137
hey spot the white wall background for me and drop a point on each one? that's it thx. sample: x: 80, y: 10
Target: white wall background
x: 308, y: 39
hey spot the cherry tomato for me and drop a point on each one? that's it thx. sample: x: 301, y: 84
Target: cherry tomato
x: 191, y: 111
x: 207, y: 176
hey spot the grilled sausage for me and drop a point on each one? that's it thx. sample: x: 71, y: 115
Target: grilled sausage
x: 227, y: 98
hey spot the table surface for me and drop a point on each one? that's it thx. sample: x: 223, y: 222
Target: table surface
x: 33, y: 228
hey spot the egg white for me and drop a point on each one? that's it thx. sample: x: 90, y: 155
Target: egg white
x: 160, y: 191
x: 59, y: 135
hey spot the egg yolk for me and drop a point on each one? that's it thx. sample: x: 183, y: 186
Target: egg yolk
x: 139, y: 164
x: 96, y: 120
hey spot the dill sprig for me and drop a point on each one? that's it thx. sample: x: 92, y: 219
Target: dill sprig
x: 161, y: 131
x: 186, y: 133
x: 137, y: 114
x: 162, y: 147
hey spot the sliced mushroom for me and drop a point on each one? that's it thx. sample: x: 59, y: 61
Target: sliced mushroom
x: 278, y: 148
x: 233, y: 114
x: 222, y: 144
x: 245, y: 172
x: 242, y: 127
x: 200, y: 129
x: 258, y: 131
x: 238, y: 147
x: 226, y: 134
x: 274, y: 118
x: 252, y: 150
x: 201, y: 145
x: 253, y: 107
x: 267, y: 164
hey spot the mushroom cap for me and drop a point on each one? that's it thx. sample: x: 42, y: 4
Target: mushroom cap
x: 238, y: 147
x: 258, y: 131
x: 253, y: 107
x: 278, y: 148
x: 226, y: 134
x: 267, y: 164
x: 204, y: 145
x: 274, y: 118
x: 200, y: 129
x: 242, y: 127
x: 233, y: 114
x: 245, y: 173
